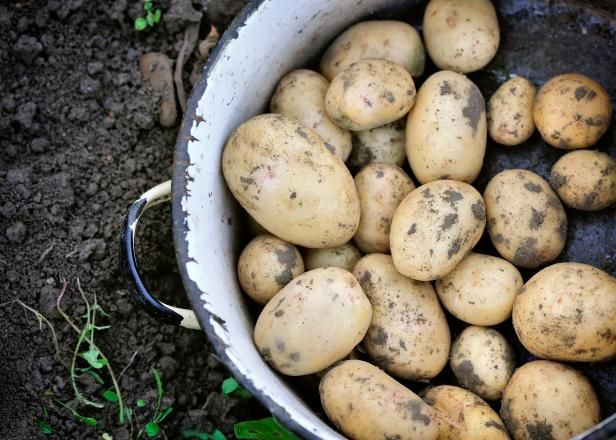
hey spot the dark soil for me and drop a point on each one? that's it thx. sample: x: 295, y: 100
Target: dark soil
x: 79, y: 141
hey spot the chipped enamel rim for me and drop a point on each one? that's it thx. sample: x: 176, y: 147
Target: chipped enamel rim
x: 265, y: 41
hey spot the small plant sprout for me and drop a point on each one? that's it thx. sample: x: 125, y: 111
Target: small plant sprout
x: 231, y: 387
x: 43, y: 424
x: 152, y: 428
x: 151, y: 17
x: 263, y: 429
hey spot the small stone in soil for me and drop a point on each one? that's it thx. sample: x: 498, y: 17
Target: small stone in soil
x: 27, y: 48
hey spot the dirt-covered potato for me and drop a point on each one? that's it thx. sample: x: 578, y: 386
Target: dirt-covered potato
x: 394, y: 41
x: 435, y: 227
x: 510, y: 112
x: 480, y: 290
x: 446, y: 129
x: 585, y: 179
x: 367, y: 404
x: 314, y: 321
x: 266, y: 265
x: 385, y: 144
x: 572, y: 111
x: 483, y: 361
x: 526, y: 221
x: 301, y: 95
x: 408, y: 336
x: 461, y: 415
x: 285, y: 177
x: 381, y: 187
x: 461, y: 35
x: 344, y: 256
x: 567, y: 312
x: 369, y: 93
x: 548, y: 400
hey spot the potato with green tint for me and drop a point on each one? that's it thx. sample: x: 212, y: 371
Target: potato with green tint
x: 285, y: 177
x: 462, y: 415
x: 395, y: 41
x: 461, y: 35
x: 567, y: 312
x: 381, y: 187
x: 301, y: 95
x: 510, y: 112
x: 408, y: 335
x: 526, y: 221
x: 480, y: 290
x: 572, y: 111
x: 483, y: 361
x: 366, y: 404
x: 446, y: 130
x: 344, y: 256
x: 435, y: 227
x: 266, y: 265
x: 314, y: 321
x: 548, y: 400
x: 385, y: 144
x: 369, y: 93
x: 585, y: 180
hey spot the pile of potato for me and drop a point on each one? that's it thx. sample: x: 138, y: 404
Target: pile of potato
x: 381, y: 259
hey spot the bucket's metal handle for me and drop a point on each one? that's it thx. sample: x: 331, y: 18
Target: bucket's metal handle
x: 159, y: 310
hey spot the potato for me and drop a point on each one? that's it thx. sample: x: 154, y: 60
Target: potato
x: 369, y: 93
x: 314, y: 321
x: 394, y: 41
x: 510, y: 112
x: 526, y: 221
x: 446, y: 129
x: 548, y: 400
x: 301, y: 95
x: 567, y: 312
x: 461, y: 35
x: 572, y: 111
x: 480, y: 290
x: 483, y: 361
x: 585, y: 180
x: 435, y: 227
x: 385, y: 144
x: 462, y: 415
x: 286, y: 178
x: 344, y: 256
x: 381, y: 187
x: 366, y: 404
x: 266, y: 265
x: 408, y: 336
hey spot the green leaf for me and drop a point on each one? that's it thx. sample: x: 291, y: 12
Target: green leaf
x: 229, y: 385
x: 87, y: 420
x: 164, y: 414
x: 157, y: 15
x: 140, y: 23
x: 151, y: 429
x: 150, y: 19
x: 147, y: 6
x: 110, y: 396
x: 242, y: 393
x: 193, y: 433
x: 128, y: 413
x: 159, y: 382
x: 48, y: 393
x: 217, y: 435
x: 44, y: 427
x: 140, y: 403
x: 106, y: 436
x: 264, y: 429
x: 91, y: 356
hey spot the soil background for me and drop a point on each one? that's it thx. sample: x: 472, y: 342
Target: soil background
x: 79, y: 141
